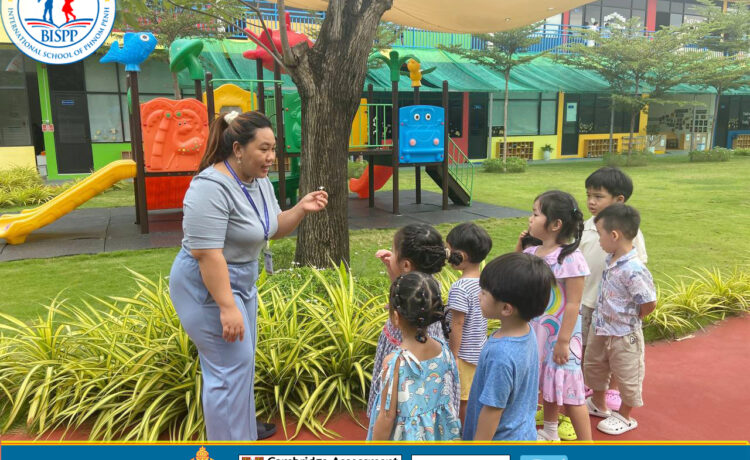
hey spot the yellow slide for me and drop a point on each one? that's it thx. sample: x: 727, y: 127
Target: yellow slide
x: 14, y: 228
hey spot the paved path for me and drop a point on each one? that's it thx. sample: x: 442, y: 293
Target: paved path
x: 95, y: 230
x: 695, y: 389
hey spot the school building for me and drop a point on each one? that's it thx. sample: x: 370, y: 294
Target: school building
x: 77, y: 114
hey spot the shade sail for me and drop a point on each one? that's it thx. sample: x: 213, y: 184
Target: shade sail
x: 466, y: 16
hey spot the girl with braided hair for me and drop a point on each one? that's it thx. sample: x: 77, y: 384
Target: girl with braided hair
x: 558, y: 223
x: 416, y: 247
x: 417, y: 402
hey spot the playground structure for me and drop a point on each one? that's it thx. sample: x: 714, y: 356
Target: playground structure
x: 169, y: 138
x: 451, y: 169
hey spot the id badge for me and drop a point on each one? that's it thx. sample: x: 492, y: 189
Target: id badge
x: 268, y: 260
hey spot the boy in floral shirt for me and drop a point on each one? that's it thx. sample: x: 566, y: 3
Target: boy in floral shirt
x: 627, y: 295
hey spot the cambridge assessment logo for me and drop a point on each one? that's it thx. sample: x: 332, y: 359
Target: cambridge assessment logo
x: 58, y: 31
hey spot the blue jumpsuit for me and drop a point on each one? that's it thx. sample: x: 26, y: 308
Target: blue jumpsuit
x: 216, y: 215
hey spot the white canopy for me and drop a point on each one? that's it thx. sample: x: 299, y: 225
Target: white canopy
x: 463, y: 16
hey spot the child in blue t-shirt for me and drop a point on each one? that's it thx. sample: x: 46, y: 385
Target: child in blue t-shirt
x: 502, y: 402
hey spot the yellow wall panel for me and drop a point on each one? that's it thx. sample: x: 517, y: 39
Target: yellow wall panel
x: 17, y: 156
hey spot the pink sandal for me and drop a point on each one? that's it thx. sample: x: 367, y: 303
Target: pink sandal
x: 612, y: 397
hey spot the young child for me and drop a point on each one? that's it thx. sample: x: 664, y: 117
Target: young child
x: 558, y: 223
x: 615, y: 345
x: 417, y: 402
x: 604, y: 187
x: 416, y: 247
x: 514, y: 289
x: 469, y: 245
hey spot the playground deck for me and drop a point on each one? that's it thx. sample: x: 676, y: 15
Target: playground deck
x: 95, y: 230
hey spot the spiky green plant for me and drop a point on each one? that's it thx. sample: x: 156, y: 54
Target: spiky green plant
x: 125, y: 368
x: 689, y: 304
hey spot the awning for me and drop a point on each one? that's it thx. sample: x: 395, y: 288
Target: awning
x: 467, y: 16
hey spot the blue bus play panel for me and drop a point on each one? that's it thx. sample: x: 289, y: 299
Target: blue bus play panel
x: 421, y: 134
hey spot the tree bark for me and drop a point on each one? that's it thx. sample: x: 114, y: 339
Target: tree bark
x: 176, y: 86
x: 330, y: 78
x: 505, y: 118
x: 710, y: 140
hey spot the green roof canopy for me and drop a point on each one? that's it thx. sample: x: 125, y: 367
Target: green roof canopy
x: 224, y: 59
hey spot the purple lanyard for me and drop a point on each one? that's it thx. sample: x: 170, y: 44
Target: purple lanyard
x: 266, y: 226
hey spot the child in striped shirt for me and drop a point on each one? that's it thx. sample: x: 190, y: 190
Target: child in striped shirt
x: 469, y: 245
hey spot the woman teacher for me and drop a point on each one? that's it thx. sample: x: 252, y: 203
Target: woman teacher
x: 230, y: 213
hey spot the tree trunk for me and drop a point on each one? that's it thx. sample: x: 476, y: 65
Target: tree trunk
x: 710, y: 140
x: 330, y: 77
x: 505, y: 118
x: 612, y: 126
x: 176, y: 86
x: 633, y: 114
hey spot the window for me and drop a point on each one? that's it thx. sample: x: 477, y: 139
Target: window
x: 100, y: 77
x: 672, y: 12
x: 105, y: 117
x: 530, y: 114
x: 594, y: 113
x: 106, y: 87
x: 14, y: 118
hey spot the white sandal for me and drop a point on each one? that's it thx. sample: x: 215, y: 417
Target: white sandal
x: 595, y: 411
x: 617, y: 424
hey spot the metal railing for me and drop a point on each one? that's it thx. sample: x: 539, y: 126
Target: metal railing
x: 460, y: 168
x: 378, y: 132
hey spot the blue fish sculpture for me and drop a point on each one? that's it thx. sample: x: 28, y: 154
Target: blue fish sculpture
x: 136, y: 47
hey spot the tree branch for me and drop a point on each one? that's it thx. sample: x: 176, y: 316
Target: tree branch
x: 252, y: 38
x: 287, y: 55
x: 254, y: 8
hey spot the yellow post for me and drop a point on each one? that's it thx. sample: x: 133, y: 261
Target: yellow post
x: 560, y: 114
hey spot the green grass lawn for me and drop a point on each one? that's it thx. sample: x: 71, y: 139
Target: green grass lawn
x: 693, y: 215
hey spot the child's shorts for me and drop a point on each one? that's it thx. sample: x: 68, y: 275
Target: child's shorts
x: 466, y: 372
x: 586, y: 317
x: 621, y: 357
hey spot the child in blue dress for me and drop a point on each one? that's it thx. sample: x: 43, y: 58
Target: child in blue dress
x: 417, y: 401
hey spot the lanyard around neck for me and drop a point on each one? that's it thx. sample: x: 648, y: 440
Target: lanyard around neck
x: 266, y: 226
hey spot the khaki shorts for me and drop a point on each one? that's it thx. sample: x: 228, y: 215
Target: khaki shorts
x: 618, y: 357
x: 586, y: 316
x: 466, y: 372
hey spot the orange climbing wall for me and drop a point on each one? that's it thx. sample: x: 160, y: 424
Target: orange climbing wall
x: 174, y: 140
x: 174, y: 134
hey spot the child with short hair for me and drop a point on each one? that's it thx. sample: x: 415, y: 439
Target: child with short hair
x: 515, y: 288
x: 604, y: 187
x: 417, y: 402
x: 415, y: 247
x: 616, y: 346
x: 558, y: 223
x: 469, y: 245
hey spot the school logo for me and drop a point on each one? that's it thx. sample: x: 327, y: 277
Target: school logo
x: 58, y: 31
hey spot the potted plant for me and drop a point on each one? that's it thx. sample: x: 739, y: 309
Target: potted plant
x: 547, y: 150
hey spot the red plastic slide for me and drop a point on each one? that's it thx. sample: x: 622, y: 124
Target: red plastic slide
x: 360, y: 186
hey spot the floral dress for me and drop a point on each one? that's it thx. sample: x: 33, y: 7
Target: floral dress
x: 561, y: 384
x: 427, y: 406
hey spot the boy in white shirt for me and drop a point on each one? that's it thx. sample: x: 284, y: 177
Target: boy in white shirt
x: 604, y: 187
